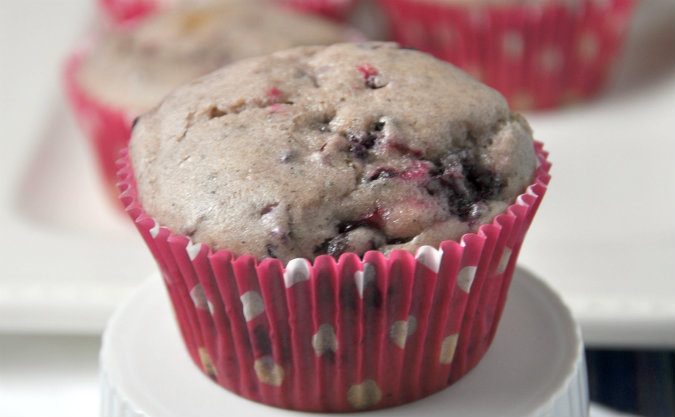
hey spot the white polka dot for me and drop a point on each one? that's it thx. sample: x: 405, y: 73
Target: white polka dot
x: 521, y: 200
x: 253, y: 305
x: 429, y: 257
x: 474, y: 70
x: 513, y: 45
x: 199, y: 297
x: 364, y: 278
x: 324, y: 340
x: 268, y: 371
x: 619, y: 23
x: 193, y: 249
x: 207, y: 363
x: 478, y: 17
x: 588, y: 47
x: 297, y: 271
x: 364, y: 395
x: 465, y: 278
x: 401, y: 330
x: 550, y: 59
x: 448, y: 348
x: 154, y: 230
x: 522, y: 100
x: 504, y: 260
x: 446, y: 34
x: 570, y: 96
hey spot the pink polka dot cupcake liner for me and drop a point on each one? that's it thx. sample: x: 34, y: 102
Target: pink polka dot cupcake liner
x: 333, y: 9
x: 356, y: 333
x: 127, y: 11
x: 124, y: 12
x: 537, y: 55
x: 106, y: 128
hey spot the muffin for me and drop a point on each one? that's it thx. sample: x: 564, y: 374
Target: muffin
x: 336, y: 226
x: 538, y: 53
x: 127, y: 11
x: 123, y: 73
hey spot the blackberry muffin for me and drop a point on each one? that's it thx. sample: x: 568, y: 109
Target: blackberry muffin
x: 318, y: 151
x: 336, y: 226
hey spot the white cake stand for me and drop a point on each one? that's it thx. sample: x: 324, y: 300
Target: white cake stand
x: 535, y: 366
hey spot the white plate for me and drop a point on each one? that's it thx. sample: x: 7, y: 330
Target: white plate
x: 604, y: 236
x: 535, y: 366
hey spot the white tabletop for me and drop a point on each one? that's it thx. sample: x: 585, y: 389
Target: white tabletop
x: 604, y: 236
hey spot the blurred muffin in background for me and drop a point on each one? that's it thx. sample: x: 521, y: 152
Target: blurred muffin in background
x: 538, y: 53
x: 124, y: 72
x: 124, y: 11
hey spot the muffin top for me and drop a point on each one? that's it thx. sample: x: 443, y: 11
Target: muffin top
x: 134, y: 68
x: 325, y: 150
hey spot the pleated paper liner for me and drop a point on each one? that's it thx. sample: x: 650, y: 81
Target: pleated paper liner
x: 333, y: 9
x: 107, y: 128
x: 124, y: 12
x: 538, y: 55
x: 346, y: 335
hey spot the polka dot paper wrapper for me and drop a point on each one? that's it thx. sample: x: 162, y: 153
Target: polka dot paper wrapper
x: 537, y: 55
x: 333, y: 9
x: 124, y: 12
x: 106, y: 128
x: 127, y: 11
x: 346, y: 335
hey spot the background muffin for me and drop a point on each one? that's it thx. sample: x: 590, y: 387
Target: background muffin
x: 538, y: 53
x: 125, y: 72
x: 337, y: 150
x: 135, y: 69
